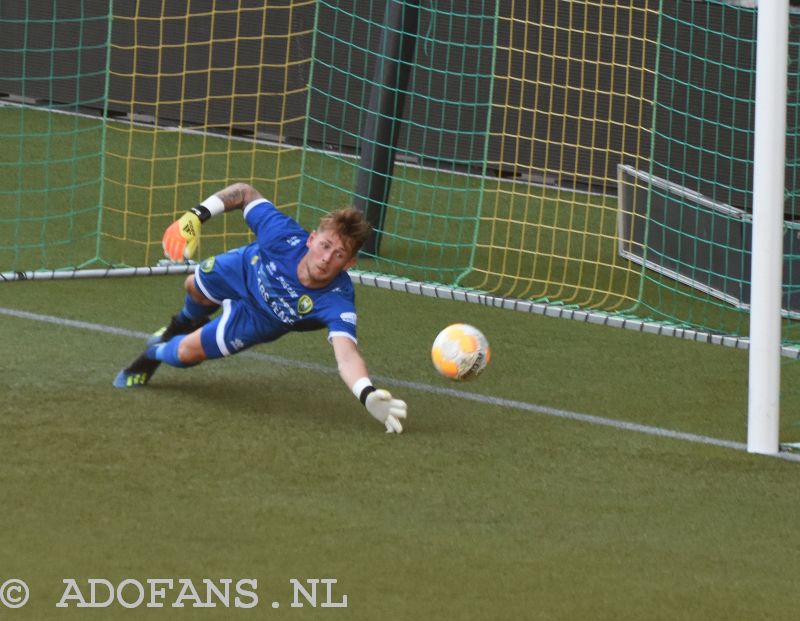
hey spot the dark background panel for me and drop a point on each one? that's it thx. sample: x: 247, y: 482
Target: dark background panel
x: 568, y: 102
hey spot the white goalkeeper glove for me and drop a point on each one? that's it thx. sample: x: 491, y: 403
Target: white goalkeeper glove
x: 386, y: 409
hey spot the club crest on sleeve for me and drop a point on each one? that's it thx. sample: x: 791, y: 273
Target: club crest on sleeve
x: 207, y: 265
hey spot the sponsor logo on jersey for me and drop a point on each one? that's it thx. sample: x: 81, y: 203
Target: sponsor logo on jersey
x: 304, y: 305
x: 348, y: 317
x: 283, y: 311
x: 207, y: 265
x: 286, y: 286
x: 293, y: 240
x: 278, y: 293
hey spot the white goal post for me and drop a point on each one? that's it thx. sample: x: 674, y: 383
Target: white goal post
x: 768, y: 196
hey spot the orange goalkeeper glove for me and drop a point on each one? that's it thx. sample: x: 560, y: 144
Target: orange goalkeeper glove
x: 181, y: 237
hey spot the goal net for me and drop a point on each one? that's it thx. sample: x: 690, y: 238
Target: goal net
x: 484, y: 140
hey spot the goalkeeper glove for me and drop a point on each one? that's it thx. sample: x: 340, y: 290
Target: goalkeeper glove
x: 386, y: 409
x: 181, y: 237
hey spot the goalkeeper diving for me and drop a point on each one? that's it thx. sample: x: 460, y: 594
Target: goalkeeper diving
x: 288, y: 280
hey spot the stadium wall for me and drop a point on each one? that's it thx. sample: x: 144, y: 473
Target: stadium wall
x: 170, y: 91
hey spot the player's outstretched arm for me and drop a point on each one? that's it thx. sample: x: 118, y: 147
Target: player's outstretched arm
x: 353, y: 371
x: 182, y: 236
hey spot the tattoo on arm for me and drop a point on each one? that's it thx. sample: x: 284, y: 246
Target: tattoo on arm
x: 237, y: 195
x: 232, y: 197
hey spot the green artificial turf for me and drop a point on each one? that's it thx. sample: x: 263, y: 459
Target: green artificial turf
x: 264, y: 466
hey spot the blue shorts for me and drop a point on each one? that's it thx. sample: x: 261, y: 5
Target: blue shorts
x: 223, y: 279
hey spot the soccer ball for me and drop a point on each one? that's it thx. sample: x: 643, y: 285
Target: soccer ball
x: 460, y: 352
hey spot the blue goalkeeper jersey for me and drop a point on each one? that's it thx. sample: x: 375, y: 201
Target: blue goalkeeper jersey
x: 272, y: 283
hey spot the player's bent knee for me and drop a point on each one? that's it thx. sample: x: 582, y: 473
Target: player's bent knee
x: 190, y: 285
x: 190, y: 349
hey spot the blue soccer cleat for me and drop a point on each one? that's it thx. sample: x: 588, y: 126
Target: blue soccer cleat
x: 156, y: 337
x: 138, y: 373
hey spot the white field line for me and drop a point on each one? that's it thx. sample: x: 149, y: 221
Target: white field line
x: 426, y: 388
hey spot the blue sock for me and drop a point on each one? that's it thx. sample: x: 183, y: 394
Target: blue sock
x: 168, y: 352
x: 192, y: 311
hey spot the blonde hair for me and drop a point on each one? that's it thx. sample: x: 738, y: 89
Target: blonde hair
x: 349, y: 224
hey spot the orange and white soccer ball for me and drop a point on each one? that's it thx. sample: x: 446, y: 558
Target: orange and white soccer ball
x: 460, y: 352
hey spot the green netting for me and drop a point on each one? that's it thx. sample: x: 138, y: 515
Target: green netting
x: 442, y: 114
x: 53, y: 55
x: 698, y: 216
x: 589, y: 155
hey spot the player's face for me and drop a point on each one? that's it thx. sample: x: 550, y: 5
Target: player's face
x: 327, y: 256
